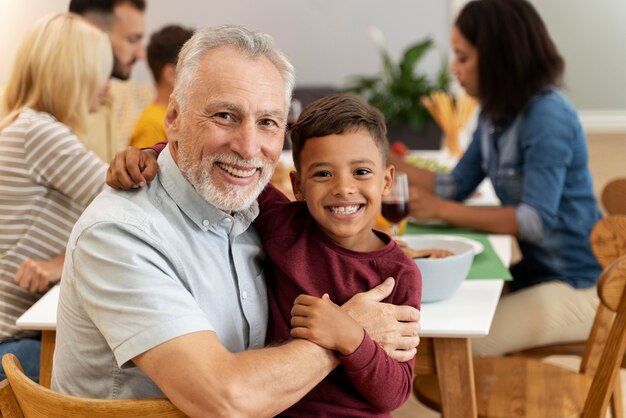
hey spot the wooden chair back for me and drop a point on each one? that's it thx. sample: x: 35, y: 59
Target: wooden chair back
x: 614, y: 196
x: 30, y: 400
x: 608, y: 239
x: 608, y: 243
x: 526, y: 387
x: 603, y: 355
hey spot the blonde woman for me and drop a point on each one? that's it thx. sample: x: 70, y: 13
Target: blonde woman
x: 47, y: 176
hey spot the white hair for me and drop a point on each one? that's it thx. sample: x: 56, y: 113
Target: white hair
x: 252, y: 43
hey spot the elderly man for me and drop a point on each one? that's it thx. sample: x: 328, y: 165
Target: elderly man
x: 163, y: 290
x: 124, y: 21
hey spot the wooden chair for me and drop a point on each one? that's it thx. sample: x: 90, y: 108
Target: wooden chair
x: 526, y: 387
x: 614, y: 196
x: 608, y: 239
x: 20, y: 397
x: 608, y: 243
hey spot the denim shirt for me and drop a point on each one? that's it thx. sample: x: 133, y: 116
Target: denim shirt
x: 537, y: 162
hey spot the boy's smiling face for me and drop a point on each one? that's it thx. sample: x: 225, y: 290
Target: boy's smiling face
x: 342, y: 178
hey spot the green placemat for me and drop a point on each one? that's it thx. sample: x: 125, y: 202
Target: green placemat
x: 486, y: 265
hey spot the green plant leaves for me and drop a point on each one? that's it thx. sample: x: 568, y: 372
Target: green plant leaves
x: 397, y: 89
x: 412, y: 55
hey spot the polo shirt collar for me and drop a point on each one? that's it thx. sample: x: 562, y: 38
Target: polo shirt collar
x: 202, y: 213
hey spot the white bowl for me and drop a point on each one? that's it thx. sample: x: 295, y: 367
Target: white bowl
x: 441, y: 277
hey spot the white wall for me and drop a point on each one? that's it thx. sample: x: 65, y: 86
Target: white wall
x: 327, y: 40
x: 591, y: 36
x: 16, y: 17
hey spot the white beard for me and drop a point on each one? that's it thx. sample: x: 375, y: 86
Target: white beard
x: 226, y: 197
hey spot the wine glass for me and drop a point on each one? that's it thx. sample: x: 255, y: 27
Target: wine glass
x: 395, y: 206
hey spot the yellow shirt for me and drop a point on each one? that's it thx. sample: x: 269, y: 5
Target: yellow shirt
x: 150, y: 127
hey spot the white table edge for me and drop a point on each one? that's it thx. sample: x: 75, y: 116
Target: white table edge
x: 42, y: 315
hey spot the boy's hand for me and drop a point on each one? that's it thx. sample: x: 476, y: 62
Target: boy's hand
x: 321, y: 321
x: 395, y: 328
x: 132, y: 168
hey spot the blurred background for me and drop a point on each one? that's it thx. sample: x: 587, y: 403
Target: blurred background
x: 328, y: 41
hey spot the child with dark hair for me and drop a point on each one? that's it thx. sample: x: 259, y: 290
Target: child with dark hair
x: 163, y: 49
x: 340, y: 154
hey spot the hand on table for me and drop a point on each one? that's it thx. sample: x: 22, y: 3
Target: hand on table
x: 37, y: 275
x: 423, y: 204
x: 132, y: 168
x: 321, y: 321
x: 395, y: 328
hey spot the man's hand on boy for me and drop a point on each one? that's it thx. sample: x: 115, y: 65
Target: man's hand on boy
x: 132, y: 168
x: 321, y: 321
x: 395, y: 328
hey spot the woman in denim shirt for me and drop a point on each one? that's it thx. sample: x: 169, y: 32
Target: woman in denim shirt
x: 530, y: 144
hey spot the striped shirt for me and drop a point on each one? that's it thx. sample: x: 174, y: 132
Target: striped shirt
x: 47, y: 178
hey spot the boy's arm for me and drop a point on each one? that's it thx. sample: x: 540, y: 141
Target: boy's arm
x: 133, y: 168
x: 366, y: 363
x: 370, y: 366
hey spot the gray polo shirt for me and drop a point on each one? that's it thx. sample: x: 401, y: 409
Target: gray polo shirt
x: 143, y: 267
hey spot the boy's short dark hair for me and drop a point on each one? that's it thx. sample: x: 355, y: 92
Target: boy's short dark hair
x: 337, y: 114
x: 164, y: 46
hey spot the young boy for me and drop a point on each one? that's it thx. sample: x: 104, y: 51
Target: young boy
x: 322, y: 250
x: 324, y: 244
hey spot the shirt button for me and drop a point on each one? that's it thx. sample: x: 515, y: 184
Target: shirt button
x: 205, y: 222
x: 244, y: 294
x: 228, y: 220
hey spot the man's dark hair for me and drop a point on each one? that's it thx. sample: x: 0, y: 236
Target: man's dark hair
x: 103, y: 6
x: 516, y: 56
x: 164, y: 46
x: 338, y: 114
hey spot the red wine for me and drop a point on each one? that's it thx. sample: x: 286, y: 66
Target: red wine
x: 395, y: 211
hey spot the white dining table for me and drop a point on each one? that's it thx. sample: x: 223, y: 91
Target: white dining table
x: 449, y: 323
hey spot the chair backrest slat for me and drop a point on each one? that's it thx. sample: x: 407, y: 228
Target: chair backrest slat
x: 608, y: 239
x: 614, y: 196
x: 596, y: 341
x: 608, y: 243
x: 36, y: 401
x: 8, y: 404
x: 611, y: 286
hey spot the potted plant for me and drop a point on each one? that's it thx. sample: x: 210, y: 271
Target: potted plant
x: 397, y: 90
